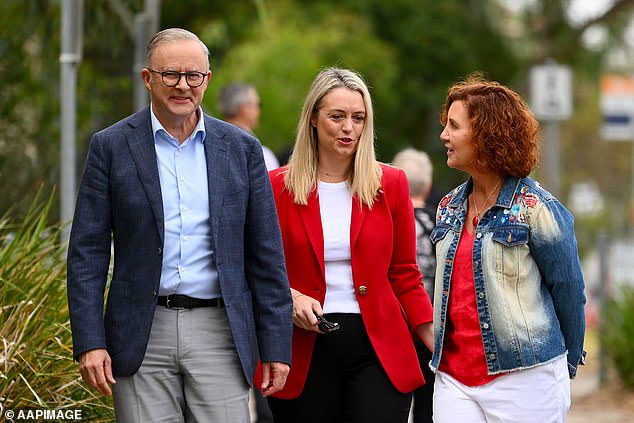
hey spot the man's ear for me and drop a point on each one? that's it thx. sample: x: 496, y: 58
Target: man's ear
x: 146, y: 75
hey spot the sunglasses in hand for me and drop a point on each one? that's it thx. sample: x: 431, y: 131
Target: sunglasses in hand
x: 325, y: 326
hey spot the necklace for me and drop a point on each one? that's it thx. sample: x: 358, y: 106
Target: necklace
x: 476, y: 218
x: 332, y: 175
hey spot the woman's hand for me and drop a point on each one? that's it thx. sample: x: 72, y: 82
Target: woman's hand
x: 304, y: 310
x: 426, y: 333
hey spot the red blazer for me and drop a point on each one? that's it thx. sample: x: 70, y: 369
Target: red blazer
x: 387, y: 281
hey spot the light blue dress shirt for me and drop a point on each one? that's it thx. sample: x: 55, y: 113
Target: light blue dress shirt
x: 188, y: 259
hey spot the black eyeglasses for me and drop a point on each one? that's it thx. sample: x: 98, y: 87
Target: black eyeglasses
x: 172, y: 78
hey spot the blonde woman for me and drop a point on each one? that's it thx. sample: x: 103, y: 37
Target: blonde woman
x: 350, y: 244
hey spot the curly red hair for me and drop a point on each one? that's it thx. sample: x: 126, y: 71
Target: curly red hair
x: 504, y: 131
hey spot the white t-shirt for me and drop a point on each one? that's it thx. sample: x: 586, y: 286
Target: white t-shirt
x: 270, y: 160
x: 335, y: 204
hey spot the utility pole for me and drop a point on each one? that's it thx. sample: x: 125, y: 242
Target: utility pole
x: 140, y: 30
x: 140, y: 27
x: 72, y: 34
x: 146, y: 24
x: 141, y: 38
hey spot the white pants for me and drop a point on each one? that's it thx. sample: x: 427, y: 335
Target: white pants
x: 539, y: 394
x: 190, y: 372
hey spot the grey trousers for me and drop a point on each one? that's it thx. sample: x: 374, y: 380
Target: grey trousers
x: 190, y: 372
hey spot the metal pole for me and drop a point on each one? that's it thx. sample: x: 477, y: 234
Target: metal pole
x: 631, y: 209
x: 146, y: 24
x: 72, y: 18
x: 141, y: 25
x: 602, y: 245
x: 552, y: 157
x: 153, y: 10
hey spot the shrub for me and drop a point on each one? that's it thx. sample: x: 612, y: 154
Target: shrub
x: 619, y: 334
x: 37, y: 370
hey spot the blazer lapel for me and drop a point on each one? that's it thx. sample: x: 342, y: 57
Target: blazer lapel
x: 217, y: 167
x: 356, y: 220
x: 311, y: 218
x: 141, y: 143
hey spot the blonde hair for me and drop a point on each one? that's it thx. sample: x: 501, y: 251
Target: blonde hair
x: 364, y: 178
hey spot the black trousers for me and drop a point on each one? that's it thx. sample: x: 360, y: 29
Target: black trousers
x: 346, y: 382
x: 423, y: 396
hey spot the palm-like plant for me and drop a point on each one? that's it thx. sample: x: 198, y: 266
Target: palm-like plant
x: 37, y: 370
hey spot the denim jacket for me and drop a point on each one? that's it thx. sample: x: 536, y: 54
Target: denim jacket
x: 528, y: 280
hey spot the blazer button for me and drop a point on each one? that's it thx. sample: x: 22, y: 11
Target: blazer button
x: 159, y: 251
x: 363, y: 290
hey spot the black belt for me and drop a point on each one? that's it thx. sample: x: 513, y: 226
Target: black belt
x: 183, y: 301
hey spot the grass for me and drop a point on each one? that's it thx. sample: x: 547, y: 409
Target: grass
x: 36, y: 366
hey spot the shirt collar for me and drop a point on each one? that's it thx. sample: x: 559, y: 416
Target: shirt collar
x: 197, y: 134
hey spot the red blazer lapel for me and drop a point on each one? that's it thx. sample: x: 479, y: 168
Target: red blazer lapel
x: 311, y: 218
x: 356, y: 220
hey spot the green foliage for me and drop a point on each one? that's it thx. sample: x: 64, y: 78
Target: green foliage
x: 36, y: 365
x: 28, y: 112
x: 410, y: 51
x: 285, y: 55
x: 619, y: 334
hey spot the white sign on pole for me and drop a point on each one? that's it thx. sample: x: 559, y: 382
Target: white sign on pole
x: 551, y: 91
x: 617, y: 107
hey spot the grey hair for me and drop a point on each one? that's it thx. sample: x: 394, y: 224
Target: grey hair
x: 232, y: 96
x: 170, y: 35
x: 418, y: 168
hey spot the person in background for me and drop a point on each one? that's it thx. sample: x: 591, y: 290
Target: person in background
x: 509, y: 300
x: 419, y: 171
x: 239, y: 104
x: 350, y: 246
x: 199, y: 288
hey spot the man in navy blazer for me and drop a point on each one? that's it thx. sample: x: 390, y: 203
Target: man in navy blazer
x: 198, y: 291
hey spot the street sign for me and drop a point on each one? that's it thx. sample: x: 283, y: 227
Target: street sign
x: 617, y: 107
x: 551, y: 91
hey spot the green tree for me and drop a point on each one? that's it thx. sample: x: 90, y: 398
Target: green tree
x: 28, y: 112
x: 410, y: 51
x: 287, y: 52
x: 544, y: 30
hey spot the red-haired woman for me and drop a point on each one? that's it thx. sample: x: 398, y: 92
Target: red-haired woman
x: 509, y: 304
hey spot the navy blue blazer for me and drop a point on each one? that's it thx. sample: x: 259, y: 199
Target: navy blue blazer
x: 119, y: 201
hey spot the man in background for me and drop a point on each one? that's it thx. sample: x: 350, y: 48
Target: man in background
x: 239, y: 104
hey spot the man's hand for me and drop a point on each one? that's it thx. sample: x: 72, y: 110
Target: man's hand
x: 273, y: 377
x: 95, y: 367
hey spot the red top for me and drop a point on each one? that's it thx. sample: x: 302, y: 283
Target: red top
x: 463, y: 351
